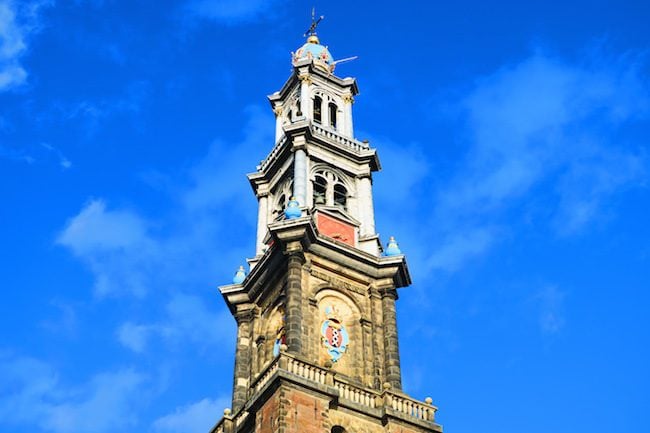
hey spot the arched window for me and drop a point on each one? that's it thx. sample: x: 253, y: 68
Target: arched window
x: 320, y: 190
x: 338, y: 429
x: 318, y: 102
x: 340, y: 196
x: 332, y: 113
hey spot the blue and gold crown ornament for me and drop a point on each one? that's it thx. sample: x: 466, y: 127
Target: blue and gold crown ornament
x: 392, y: 249
x: 292, y: 211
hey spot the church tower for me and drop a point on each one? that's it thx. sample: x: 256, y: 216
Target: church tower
x: 317, y: 346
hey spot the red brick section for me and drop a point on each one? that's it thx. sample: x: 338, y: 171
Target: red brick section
x: 335, y: 229
x: 267, y: 419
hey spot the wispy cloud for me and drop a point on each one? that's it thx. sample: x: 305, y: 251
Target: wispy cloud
x: 40, y: 153
x: 543, y: 124
x: 135, y: 255
x: 91, y: 114
x: 196, y: 417
x: 32, y: 394
x: 187, y: 319
x: 18, y: 22
x: 551, y: 309
x: 130, y: 253
x: 232, y: 11
x: 115, y: 244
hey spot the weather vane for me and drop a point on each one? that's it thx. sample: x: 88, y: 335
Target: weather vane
x: 314, y: 23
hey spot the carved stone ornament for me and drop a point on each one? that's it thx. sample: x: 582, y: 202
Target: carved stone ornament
x: 335, y: 336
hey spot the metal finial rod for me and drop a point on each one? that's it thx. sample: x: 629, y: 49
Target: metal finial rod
x: 314, y: 23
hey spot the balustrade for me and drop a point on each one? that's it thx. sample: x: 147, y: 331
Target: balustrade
x: 355, y: 145
x: 410, y: 407
x: 347, y: 392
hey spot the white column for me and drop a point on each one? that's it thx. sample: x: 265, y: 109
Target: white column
x: 325, y: 113
x: 262, y: 223
x: 300, y: 176
x: 278, y: 123
x: 305, y: 97
x: 347, y: 115
x: 366, y: 210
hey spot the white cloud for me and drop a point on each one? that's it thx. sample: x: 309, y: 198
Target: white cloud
x: 537, y: 126
x: 31, y: 394
x: 197, y: 417
x: 456, y: 249
x: 551, y: 309
x: 134, y: 336
x: 96, y: 230
x: 129, y: 253
x: 17, y: 23
x: 232, y: 11
x: 187, y: 319
x: 116, y: 246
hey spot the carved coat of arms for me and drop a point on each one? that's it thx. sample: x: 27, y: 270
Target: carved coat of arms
x: 334, y: 335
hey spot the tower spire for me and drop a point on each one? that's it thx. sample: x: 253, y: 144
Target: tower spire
x: 311, y: 31
x: 317, y: 343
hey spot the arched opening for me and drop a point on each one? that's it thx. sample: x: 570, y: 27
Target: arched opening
x: 332, y: 113
x: 340, y: 196
x: 320, y: 190
x: 318, y: 102
x: 338, y: 429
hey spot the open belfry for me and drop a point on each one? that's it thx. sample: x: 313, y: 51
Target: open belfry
x: 317, y: 345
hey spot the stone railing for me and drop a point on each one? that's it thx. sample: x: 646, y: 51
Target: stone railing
x: 331, y: 135
x: 385, y: 400
x: 307, y: 371
x: 339, y: 139
x: 355, y: 394
x: 275, y: 152
x: 220, y: 426
x: 266, y: 376
x: 410, y: 407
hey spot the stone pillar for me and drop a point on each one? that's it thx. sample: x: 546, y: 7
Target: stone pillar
x: 368, y: 373
x: 305, y: 97
x: 392, y: 370
x: 300, y: 176
x: 347, y: 116
x: 278, y: 123
x: 366, y: 208
x: 293, y: 323
x: 260, y: 344
x: 243, y: 358
x: 262, y: 222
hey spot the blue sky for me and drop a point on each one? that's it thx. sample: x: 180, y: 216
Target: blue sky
x: 514, y: 141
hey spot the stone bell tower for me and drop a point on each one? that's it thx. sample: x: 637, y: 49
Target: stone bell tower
x: 317, y: 346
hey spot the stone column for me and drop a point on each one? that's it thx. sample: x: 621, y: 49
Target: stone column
x: 368, y: 373
x: 305, y: 99
x: 278, y: 123
x: 294, y: 302
x: 392, y: 370
x: 366, y: 208
x: 243, y: 358
x: 300, y: 176
x: 347, y: 116
x: 262, y: 222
